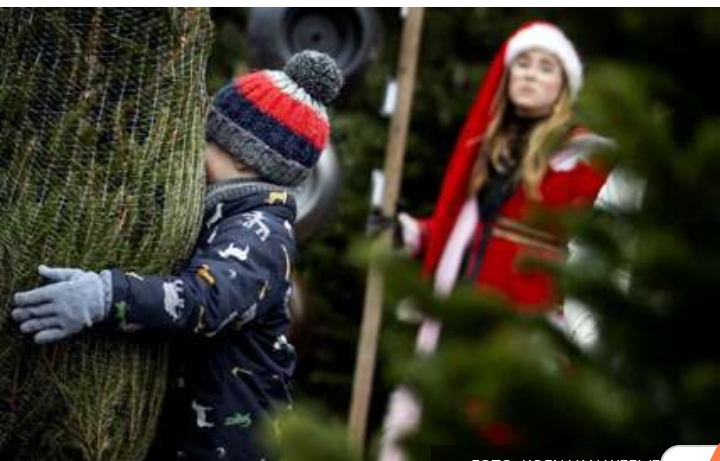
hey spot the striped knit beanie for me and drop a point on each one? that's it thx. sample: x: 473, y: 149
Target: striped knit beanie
x: 275, y: 121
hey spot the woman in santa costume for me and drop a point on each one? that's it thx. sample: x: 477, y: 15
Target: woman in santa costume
x: 519, y: 152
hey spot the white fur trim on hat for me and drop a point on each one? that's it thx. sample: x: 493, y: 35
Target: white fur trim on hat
x: 551, y: 39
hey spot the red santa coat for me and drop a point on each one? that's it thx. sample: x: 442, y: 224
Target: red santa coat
x: 571, y: 181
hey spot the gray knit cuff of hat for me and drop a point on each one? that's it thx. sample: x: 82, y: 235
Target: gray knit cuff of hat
x: 251, y: 151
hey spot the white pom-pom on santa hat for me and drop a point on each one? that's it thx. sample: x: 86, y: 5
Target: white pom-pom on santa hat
x: 549, y: 38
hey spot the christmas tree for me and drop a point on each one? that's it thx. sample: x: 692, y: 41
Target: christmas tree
x: 101, y: 164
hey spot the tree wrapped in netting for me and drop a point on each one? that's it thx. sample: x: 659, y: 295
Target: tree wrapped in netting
x: 101, y: 136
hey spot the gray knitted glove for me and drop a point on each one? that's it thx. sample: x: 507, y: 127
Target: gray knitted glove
x: 76, y: 300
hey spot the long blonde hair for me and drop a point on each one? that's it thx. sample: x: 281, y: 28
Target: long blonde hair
x: 544, y: 139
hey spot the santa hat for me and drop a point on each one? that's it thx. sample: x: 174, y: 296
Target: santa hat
x: 453, y: 192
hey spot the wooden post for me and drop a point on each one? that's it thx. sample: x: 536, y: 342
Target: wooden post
x: 394, y: 158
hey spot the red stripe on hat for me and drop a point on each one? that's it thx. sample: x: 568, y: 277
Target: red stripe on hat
x: 261, y: 91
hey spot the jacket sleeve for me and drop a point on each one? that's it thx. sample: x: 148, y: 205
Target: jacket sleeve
x: 620, y: 192
x: 230, y: 280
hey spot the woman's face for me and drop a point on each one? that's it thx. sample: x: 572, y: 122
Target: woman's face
x: 536, y: 80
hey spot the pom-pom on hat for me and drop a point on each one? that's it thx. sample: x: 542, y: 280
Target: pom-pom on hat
x: 275, y: 121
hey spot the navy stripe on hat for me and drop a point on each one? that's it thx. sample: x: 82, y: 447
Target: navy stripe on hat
x: 276, y: 135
